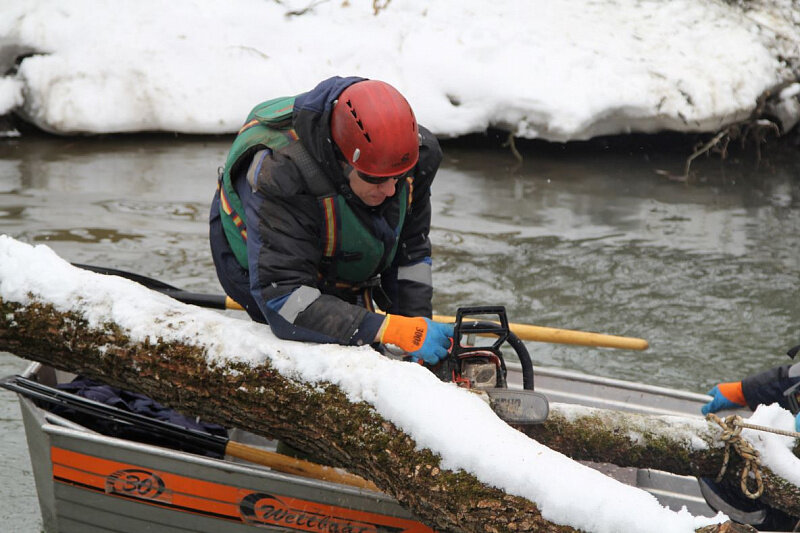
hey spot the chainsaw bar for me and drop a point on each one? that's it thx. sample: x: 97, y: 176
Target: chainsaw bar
x: 521, y: 407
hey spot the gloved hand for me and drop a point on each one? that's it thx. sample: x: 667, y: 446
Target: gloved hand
x: 726, y: 396
x: 422, y: 338
x: 797, y: 423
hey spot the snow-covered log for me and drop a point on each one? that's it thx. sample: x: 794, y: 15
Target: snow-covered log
x: 119, y: 332
x: 319, y: 420
x: 681, y: 445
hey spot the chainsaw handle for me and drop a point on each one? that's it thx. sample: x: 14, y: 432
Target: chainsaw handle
x: 503, y: 332
x: 481, y: 327
x: 524, y: 360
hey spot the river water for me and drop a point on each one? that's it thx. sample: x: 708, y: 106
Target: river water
x: 596, y: 237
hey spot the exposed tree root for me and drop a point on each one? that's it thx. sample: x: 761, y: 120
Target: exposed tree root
x: 750, y: 132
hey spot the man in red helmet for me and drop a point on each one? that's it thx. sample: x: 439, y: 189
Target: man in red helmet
x: 324, y: 207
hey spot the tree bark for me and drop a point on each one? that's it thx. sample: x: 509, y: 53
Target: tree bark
x: 320, y: 420
x: 662, y: 443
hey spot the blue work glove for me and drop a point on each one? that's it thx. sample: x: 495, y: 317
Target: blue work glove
x: 437, y: 343
x: 422, y: 338
x: 726, y: 396
x: 797, y: 422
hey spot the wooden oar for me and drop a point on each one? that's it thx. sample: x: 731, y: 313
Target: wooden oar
x: 193, y: 439
x: 526, y: 332
x: 529, y: 332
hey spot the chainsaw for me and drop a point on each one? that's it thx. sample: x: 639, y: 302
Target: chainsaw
x: 482, y: 369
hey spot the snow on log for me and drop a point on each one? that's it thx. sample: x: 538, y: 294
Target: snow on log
x: 438, y: 449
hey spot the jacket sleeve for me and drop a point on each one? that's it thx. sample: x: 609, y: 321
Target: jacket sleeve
x: 284, y: 250
x: 408, y: 282
x: 768, y: 387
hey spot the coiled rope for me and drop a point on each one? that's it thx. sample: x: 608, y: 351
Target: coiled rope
x: 731, y: 428
x: 731, y: 435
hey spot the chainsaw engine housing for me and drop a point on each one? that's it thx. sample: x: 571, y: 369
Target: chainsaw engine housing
x: 480, y: 370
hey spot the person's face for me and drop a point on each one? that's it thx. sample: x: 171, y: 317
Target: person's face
x: 372, y: 194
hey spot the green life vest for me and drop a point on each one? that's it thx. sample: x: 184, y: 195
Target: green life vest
x: 351, y: 253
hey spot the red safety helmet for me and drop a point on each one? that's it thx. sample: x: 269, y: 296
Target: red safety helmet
x: 375, y: 129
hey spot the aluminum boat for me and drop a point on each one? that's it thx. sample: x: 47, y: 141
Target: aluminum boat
x: 88, y: 482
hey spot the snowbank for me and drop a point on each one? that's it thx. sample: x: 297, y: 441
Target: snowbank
x: 566, y: 70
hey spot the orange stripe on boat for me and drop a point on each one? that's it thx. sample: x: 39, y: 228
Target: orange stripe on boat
x: 215, y: 500
x: 145, y: 485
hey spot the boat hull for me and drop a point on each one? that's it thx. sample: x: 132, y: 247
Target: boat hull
x: 89, y: 482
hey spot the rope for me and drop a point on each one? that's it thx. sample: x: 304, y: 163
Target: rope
x: 747, y: 425
x: 731, y: 436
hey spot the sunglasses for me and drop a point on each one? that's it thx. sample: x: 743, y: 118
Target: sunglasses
x: 375, y: 180
x: 380, y: 180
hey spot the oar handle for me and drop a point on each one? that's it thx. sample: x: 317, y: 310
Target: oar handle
x: 567, y: 336
x: 298, y: 467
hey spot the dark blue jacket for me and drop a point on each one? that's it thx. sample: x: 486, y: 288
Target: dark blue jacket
x: 768, y: 387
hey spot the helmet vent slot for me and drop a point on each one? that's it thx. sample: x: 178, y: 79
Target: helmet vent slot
x: 358, y: 121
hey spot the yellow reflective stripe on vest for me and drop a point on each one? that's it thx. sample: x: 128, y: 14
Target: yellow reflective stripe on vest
x: 329, y: 205
x: 247, y: 126
x: 226, y: 207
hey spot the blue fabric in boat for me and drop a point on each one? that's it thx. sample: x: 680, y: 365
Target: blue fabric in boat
x: 134, y: 402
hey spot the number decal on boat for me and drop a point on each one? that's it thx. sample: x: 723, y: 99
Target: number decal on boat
x: 136, y: 482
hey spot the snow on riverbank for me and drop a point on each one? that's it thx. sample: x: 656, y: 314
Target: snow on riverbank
x: 559, y: 71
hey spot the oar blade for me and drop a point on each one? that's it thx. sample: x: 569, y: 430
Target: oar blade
x: 150, y: 283
x: 212, y: 301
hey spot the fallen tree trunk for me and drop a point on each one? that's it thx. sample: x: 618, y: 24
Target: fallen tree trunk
x: 258, y: 398
x: 317, y: 419
x: 666, y: 443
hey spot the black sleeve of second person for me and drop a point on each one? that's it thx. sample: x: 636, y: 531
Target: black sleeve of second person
x: 768, y: 387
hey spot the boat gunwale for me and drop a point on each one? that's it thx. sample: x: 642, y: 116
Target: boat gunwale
x: 612, y: 382
x: 246, y: 469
